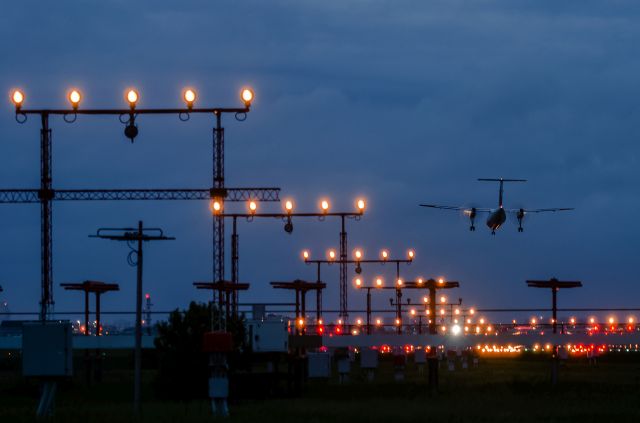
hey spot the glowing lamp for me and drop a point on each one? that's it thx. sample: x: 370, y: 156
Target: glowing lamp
x: 358, y: 322
x: 420, y: 281
x: 288, y: 206
x: 357, y: 254
x: 216, y: 206
x: 411, y: 254
x: 472, y: 311
x: 425, y: 299
x: 399, y: 282
x: 332, y: 255
x: 379, y: 282
x: 358, y: 282
x: 253, y: 206
x: 17, y: 98
x: 360, y: 204
x: 305, y: 255
x: 324, y: 206
x: 247, y: 96
x: 384, y: 254
x: 413, y: 311
x: 189, y: 97
x: 398, y: 322
x: 74, y: 98
x: 443, y: 299
x: 132, y: 97
x: 378, y: 322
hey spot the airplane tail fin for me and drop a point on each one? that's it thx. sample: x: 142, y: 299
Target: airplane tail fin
x: 502, y: 181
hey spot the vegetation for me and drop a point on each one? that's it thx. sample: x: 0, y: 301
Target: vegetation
x: 500, y: 390
x: 183, y: 368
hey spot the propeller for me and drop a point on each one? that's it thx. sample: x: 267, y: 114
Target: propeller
x: 470, y: 216
x: 518, y: 217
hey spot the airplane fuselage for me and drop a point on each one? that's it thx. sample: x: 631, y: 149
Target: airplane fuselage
x: 496, y: 219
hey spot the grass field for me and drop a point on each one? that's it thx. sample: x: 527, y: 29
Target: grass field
x: 499, y: 390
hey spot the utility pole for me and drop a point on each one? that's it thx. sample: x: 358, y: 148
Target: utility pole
x: 555, y: 285
x: 133, y: 236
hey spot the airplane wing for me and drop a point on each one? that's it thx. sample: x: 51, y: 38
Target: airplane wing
x: 458, y: 208
x: 541, y: 210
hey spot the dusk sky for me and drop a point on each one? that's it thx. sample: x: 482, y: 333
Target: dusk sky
x: 401, y: 102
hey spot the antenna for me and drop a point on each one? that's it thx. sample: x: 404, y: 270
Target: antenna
x: 502, y: 181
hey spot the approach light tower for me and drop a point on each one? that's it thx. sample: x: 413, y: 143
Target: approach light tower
x: 286, y: 216
x: 358, y: 260
x: 129, y: 116
x: 555, y: 285
x: 433, y: 286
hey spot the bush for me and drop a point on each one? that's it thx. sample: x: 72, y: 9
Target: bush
x: 183, y: 368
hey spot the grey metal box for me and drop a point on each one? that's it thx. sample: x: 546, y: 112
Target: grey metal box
x: 369, y: 359
x: 319, y: 365
x: 268, y: 336
x: 47, y: 349
x: 344, y: 365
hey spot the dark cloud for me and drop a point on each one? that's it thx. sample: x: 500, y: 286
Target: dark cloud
x: 401, y: 101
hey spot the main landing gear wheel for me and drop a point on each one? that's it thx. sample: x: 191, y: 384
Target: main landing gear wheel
x: 472, y: 228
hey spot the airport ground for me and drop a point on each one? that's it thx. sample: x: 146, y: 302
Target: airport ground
x: 499, y: 390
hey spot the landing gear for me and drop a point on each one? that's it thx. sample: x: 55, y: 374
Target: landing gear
x: 520, y: 216
x: 493, y: 232
x: 472, y: 219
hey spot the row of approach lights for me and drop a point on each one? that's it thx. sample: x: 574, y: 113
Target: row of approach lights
x: 573, y: 321
x: 359, y: 255
x: 217, y: 208
x: 379, y: 282
x: 131, y: 96
x: 252, y: 206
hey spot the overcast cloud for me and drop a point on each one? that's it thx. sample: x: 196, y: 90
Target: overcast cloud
x: 400, y: 101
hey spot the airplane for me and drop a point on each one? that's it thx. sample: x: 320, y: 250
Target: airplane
x: 498, y: 216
